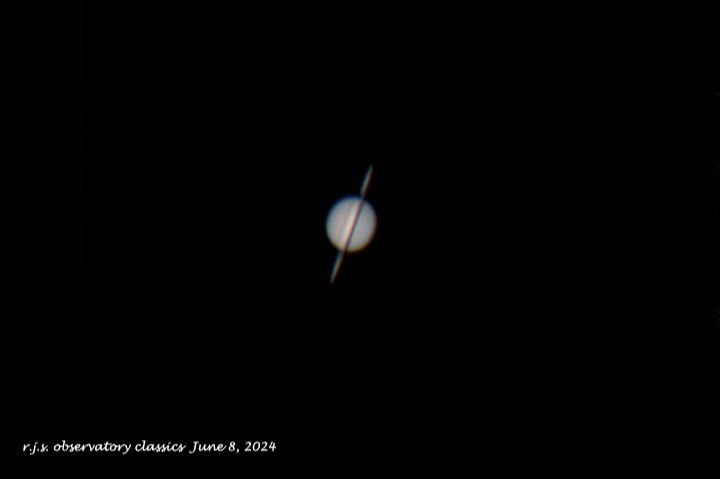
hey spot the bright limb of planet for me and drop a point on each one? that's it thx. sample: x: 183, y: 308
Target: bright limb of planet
x: 351, y: 224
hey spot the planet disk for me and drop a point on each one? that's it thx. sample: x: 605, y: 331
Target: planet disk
x: 351, y: 224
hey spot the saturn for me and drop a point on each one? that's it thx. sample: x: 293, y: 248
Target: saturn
x: 351, y: 224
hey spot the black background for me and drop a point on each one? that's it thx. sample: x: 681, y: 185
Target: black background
x: 545, y: 184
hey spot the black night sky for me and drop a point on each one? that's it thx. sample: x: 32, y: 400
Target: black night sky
x: 546, y: 194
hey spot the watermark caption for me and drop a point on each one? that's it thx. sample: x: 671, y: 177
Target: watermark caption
x: 149, y: 447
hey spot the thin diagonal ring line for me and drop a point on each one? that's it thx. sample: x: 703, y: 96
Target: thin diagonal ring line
x: 343, y: 250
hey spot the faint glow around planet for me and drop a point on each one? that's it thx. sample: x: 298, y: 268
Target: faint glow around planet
x: 339, y: 225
